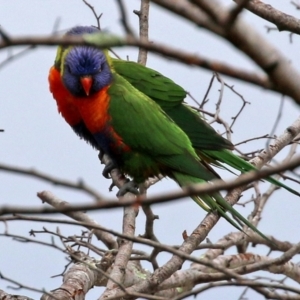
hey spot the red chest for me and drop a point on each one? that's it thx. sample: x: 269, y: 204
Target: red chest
x: 94, y: 110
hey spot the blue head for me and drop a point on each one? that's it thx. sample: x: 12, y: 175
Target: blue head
x: 85, y: 69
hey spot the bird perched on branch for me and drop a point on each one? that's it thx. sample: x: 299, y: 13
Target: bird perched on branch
x: 137, y: 116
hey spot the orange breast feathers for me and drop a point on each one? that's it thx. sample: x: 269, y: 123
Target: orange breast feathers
x: 94, y: 110
x: 63, y: 98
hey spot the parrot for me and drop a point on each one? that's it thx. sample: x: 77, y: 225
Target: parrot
x: 137, y: 116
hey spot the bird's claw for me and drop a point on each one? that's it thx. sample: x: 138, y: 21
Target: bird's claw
x: 108, y: 168
x: 112, y: 185
x: 129, y: 186
x: 100, y: 155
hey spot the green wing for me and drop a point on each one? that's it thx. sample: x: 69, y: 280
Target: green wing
x: 170, y: 96
x: 150, y: 82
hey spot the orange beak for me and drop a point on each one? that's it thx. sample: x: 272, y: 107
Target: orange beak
x: 86, y: 82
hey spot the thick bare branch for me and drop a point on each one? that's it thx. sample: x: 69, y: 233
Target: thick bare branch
x: 283, y: 22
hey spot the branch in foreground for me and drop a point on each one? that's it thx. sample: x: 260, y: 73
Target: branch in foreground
x: 108, y: 41
x: 197, y: 189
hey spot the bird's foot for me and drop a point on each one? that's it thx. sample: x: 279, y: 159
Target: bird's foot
x: 108, y: 168
x: 112, y: 185
x: 100, y: 155
x: 128, y: 187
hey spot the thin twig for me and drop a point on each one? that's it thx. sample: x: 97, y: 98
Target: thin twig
x: 80, y: 185
x: 124, y: 19
x: 98, y: 17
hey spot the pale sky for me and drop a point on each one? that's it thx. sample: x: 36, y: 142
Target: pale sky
x: 37, y: 137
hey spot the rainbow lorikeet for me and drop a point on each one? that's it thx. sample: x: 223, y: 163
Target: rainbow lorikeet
x: 137, y: 116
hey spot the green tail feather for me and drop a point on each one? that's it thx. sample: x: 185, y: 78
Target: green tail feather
x: 202, y: 202
x: 217, y: 203
x: 243, y: 166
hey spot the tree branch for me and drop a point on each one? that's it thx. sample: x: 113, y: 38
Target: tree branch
x: 211, y: 15
x: 283, y: 22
